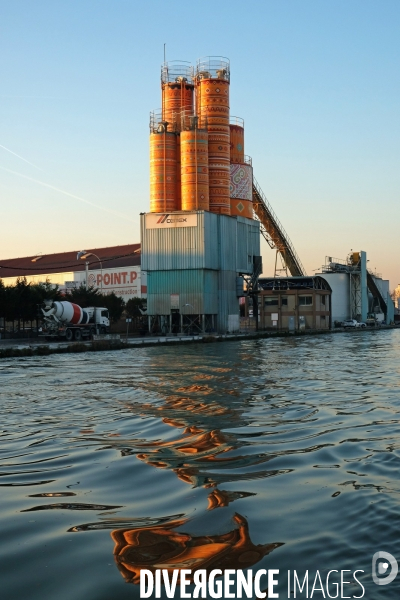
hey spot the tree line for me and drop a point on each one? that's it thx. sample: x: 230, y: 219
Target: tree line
x: 20, y: 303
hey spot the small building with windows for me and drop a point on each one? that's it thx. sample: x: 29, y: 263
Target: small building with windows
x: 294, y: 303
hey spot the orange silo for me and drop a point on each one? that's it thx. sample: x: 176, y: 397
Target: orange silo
x: 194, y: 169
x: 163, y: 167
x: 241, y: 172
x: 212, y: 100
x: 236, y: 127
x: 177, y: 92
x: 178, y: 187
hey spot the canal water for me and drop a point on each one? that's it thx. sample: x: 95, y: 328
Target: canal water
x: 272, y: 454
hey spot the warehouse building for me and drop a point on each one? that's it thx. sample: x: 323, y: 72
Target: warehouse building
x: 113, y: 269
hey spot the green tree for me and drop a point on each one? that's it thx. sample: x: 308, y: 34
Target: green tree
x: 3, y: 301
x: 24, y: 305
x: 47, y: 291
x: 115, y: 306
x: 85, y: 297
x: 133, y: 307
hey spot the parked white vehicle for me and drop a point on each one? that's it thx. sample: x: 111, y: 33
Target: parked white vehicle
x: 352, y: 323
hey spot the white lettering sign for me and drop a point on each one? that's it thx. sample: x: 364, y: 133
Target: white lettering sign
x: 123, y: 281
x: 175, y: 219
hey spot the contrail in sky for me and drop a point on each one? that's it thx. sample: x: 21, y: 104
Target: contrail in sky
x: 18, y: 156
x: 51, y: 187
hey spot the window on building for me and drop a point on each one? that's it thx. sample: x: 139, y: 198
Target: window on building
x: 323, y: 299
x: 284, y: 301
x: 305, y: 300
x: 270, y: 301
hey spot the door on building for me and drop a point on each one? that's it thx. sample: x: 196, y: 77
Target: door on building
x: 175, y: 321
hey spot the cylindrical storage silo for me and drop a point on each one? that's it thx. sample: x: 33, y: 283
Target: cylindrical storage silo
x: 214, y: 113
x: 177, y: 93
x: 213, y: 101
x: 163, y: 176
x: 241, y: 172
x: 177, y: 101
x: 219, y: 170
x: 194, y: 170
x: 241, y: 189
x: 237, y: 140
x: 178, y: 173
x: 212, y: 80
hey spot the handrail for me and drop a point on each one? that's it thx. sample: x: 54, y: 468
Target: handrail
x: 274, y: 233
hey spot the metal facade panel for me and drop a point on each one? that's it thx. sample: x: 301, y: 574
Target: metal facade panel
x: 242, y: 254
x: 248, y: 244
x: 227, y: 242
x: 181, y: 247
x: 210, y: 292
x: 340, y: 299
x: 217, y: 242
x: 228, y: 303
x: 255, y: 238
x: 197, y: 290
x: 211, y: 240
x: 168, y: 249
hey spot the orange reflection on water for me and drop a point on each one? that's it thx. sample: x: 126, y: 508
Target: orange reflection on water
x: 162, y: 547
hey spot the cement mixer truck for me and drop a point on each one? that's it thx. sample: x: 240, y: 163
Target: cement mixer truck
x: 70, y: 321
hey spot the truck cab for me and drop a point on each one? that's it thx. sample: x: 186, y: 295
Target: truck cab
x: 101, y: 317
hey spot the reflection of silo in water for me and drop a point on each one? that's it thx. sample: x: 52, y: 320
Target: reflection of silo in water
x: 194, y: 169
x: 163, y: 170
x: 177, y: 93
x: 241, y: 172
x: 213, y: 111
x: 161, y: 544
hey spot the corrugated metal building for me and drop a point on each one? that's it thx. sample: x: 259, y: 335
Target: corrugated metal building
x: 192, y: 260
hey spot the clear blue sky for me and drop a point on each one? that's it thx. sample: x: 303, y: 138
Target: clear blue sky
x: 316, y: 81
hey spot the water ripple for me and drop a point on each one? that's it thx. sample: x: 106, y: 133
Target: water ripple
x: 279, y: 453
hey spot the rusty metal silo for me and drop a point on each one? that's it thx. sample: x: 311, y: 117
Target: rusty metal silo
x: 163, y: 166
x: 241, y: 172
x: 194, y: 168
x: 178, y: 187
x: 212, y: 102
x: 236, y: 127
x: 177, y: 90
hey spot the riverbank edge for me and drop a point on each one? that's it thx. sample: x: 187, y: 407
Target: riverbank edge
x: 101, y: 345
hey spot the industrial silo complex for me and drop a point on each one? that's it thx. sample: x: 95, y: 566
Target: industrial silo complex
x: 199, y: 241
x: 199, y: 255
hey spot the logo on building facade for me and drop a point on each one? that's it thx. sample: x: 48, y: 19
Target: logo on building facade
x: 157, y: 221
